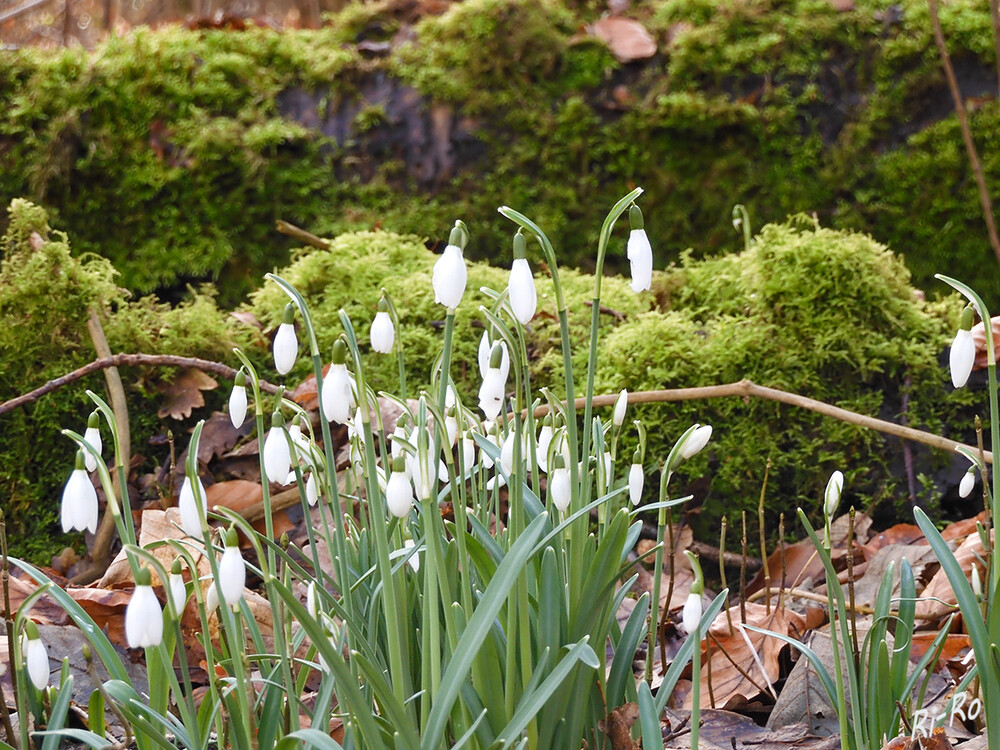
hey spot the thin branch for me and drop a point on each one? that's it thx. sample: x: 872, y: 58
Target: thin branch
x: 963, y: 121
x: 745, y: 388
x: 301, y: 235
x: 123, y: 360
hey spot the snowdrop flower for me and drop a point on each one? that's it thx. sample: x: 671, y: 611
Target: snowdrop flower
x: 640, y: 254
x: 542, y: 446
x: 414, y: 561
x: 383, y: 334
x: 36, y: 657
x: 338, y: 391
x: 636, y: 479
x: 468, y: 448
x: 176, y: 588
x: 143, y: 615
x: 696, y: 441
x: 451, y: 427
x: 963, y: 351
x: 977, y: 584
x: 399, y: 434
x: 277, y: 457
x: 521, y: 287
x: 398, y: 492
x: 491, y: 392
x: 286, y: 346
x: 691, y: 615
x: 92, y: 437
x: 193, y: 520
x: 559, y: 483
x: 831, y: 498
x: 232, y: 571
x: 621, y: 404
x: 238, y: 400
x: 211, y: 598
x: 507, y: 453
x: 79, y: 500
x: 312, y: 490
x: 450, y: 275
x: 312, y: 605
x: 967, y: 483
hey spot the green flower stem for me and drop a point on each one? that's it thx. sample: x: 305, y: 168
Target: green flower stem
x: 400, y: 362
x: 661, y: 527
x: 695, y: 687
x: 128, y: 535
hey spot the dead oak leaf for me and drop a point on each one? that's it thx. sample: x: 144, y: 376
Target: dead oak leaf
x: 183, y: 393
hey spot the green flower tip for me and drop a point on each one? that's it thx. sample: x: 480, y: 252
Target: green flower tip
x: 698, y: 587
x: 635, y: 217
x: 88, y: 655
x: 143, y: 577
x: 31, y: 630
x: 94, y: 420
x: 459, y: 235
x: 277, y: 420
x: 81, y: 462
x: 241, y: 379
x: 339, y: 352
x: 285, y: 541
x: 383, y: 305
x: 520, y: 245
x: 398, y: 464
x: 289, y: 314
x: 967, y: 318
x: 176, y: 567
x: 232, y: 538
x: 560, y: 461
x: 637, y: 456
x: 496, y: 356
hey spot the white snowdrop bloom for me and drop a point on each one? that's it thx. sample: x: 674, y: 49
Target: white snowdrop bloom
x: 277, y: 457
x: 211, y: 598
x: 92, y: 437
x: 696, y: 441
x: 621, y: 405
x: 449, y: 277
x: 451, y: 427
x: 977, y: 584
x: 639, y: 252
x: 607, y: 465
x: 962, y: 357
x: 177, y: 591
x: 691, y: 615
x: 414, y: 561
x: 383, y: 334
x: 398, y: 492
x: 238, y: 401
x: 507, y: 453
x: 491, y: 393
x: 523, y: 298
x: 636, y: 480
x: 968, y: 482
x: 831, y: 497
x: 468, y: 448
x: 338, y: 394
x: 232, y: 571
x: 36, y: 656
x: 312, y: 490
x: 286, y: 345
x: 485, y: 356
x: 79, y: 500
x: 312, y: 605
x: 192, y: 521
x: 143, y: 615
x: 542, y: 446
x: 559, y: 484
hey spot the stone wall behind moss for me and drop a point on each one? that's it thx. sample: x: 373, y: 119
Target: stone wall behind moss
x: 172, y: 152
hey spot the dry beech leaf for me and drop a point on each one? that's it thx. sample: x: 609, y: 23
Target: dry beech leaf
x: 183, y: 393
x: 247, y: 318
x: 939, y: 594
x: 218, y: 437
x: 626, y: 38
x: 155, y: 525
x: 956, y: 645
x: 961, y: 529
x: 901, y: 533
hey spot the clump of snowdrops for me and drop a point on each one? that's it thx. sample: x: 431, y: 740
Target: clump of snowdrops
x: 490, y: 627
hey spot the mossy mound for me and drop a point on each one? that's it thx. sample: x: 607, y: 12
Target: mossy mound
x: 172, y: 152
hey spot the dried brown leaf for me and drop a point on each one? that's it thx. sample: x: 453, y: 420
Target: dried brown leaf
x: 626, y: 38
x: 183, y: 393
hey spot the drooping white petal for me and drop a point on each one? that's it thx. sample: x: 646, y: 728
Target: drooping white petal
x: 696, y: 441
x: 636, y: 480
x: 36, y: 658
x: 143, y: 619
x: 691, y: 615
x: 449, y: 277
x: 414, y: 561
x: 93, y: 438
x: 191, y: 520
x: 507, y: 454
x: 962, y: 358
x: 491, y: 392
x: 640, y: 257
x: 383, y: 335
x: 523, y: 298
x: 286, y: 348
x: 79, y: 503
x: 312, y: 490
x: 312, y: 604
x: 559, y: 488
x: 399, y: 494
x: 232, y: 575
x: 621, y: 405
x: 968, y: 483
x: 238, y: 405
x: 277, y: 458
x: 338, y: 395
x: 831, y: 497
x: 542, y: 448
x: 468, y: 447
x: 178, y: 592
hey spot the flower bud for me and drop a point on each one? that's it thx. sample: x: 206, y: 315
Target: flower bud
x: 143, y: 615
x: 967, y: 483
x: 36, y: 657
x: 696, y: 441
x: 560, y: 489
x: 639, y: 252
x: 277, y: 457
x: 398, y: 492
x: 192, y: 520
x: 93, y: 438
x: 286, y: 346
x: 831, y: 498
x: 176, y: 588
x: 521, y: 286
x: 232, y: 571
x: 636, y: 479
x: 450, y: 275
x: 238, y: 400
x: 621, y: 404
x: 383, y: 334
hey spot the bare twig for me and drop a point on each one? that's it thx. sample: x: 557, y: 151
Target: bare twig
x: 746, y: 388
x: 963, y: 120
x: 122, y: 360
x: 301, y: 235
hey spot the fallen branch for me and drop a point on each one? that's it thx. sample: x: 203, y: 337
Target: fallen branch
x: 122, y: 360
x: 747, y: 388
x: 301, y: 235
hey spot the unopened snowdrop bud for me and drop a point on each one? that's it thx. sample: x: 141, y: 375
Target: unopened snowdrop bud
x: 831, y: 498
x: 967, y: 483
x: 621, y: 404
x: 559, y: 483
x: 414, y: 561
x: 696, y: 441
x: 211, y: 598
x: 176, y: 587
x: 640, y: 254
x: 398, y: 435
x: 286, y: 346
x: 232, y: 571
x: 963, y: 350
x: 192, y: 520
x: 312, y: 605
x: 636, y: 479
x: 468, y: 448
x: 451, y: 427
x: 238, y: 400
x: 542, y: 446
x: 691, y: 615
x: 277, y: 457
x: 398, y: 491
x: 383, y: 334
x: 450, y: 275
x: 312, y: 490
x: 338, y: 394
x: 977, y: 584
x: 79, y: 500
x: 143, y: 615
x: 92, y: 437
x: 36, y: 657
x: 494, y: 384
x: 523, y: 298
